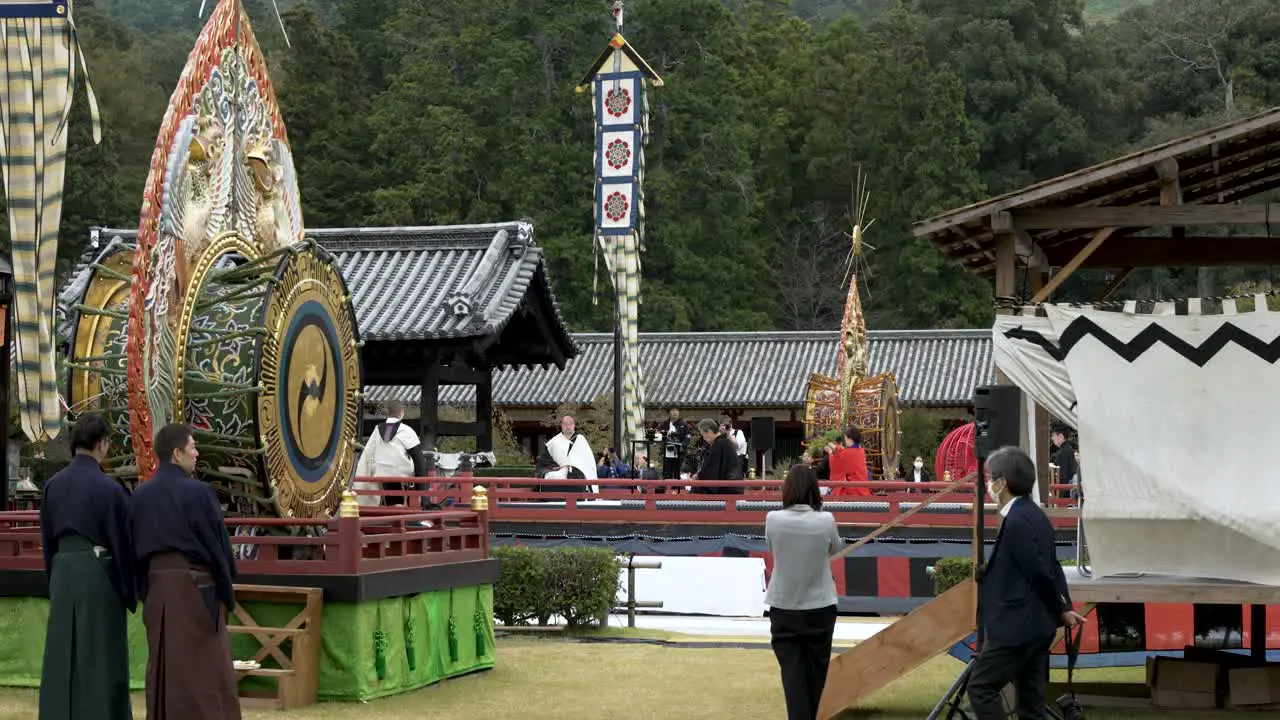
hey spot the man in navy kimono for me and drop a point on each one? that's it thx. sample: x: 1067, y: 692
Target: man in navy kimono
x: 88, y: 559
x: 185, y: 570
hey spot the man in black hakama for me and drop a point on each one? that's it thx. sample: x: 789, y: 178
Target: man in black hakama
x: 88, y: 559
x: 185, y: 571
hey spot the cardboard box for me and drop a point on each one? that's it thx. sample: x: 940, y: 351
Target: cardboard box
x: 1255, y: 686
x: 1185, y: 676
x: 1178, y: 699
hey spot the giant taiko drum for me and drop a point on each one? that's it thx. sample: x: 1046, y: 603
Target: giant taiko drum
x: 267, y: 373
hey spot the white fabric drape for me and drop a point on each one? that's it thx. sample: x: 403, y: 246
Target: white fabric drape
x: 1031, y: 367
x: 1178, y: 438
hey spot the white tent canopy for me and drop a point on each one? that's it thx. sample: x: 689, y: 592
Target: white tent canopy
x: 1176, y: 413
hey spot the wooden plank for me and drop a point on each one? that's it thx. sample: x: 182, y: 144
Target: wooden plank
x: 901, y: 518
x: 905, y: 645
x: 1073, y: 265
x: 1085, y: 218
x: 254, y: 629
x: 1167, y: 589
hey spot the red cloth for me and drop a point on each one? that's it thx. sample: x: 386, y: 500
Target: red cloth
x: 849, y: 465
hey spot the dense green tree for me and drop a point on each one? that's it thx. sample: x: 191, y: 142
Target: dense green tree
x: 452, y: 111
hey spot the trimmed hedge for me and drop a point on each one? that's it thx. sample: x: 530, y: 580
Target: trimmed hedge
x: 579, y: 584
x: 951, y: 571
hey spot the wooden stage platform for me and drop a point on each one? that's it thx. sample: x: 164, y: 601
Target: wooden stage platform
x: 1169, y: 589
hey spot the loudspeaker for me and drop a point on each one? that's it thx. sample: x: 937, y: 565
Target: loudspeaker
x: 997, y: 416
x: 762, y: 433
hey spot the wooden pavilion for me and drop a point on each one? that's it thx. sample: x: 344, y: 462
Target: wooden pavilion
x: 1166, y: 206
x: 1197, y: 201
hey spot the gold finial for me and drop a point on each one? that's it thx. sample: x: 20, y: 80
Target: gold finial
x: 198, y: 149
x: 479, y: 498
x: 946, y: 476
x: 349, y: 506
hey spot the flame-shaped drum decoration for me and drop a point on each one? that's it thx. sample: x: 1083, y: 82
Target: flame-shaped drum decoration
x: 221, y: 166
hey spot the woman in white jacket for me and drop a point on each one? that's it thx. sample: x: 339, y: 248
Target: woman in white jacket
x: 802, y: 593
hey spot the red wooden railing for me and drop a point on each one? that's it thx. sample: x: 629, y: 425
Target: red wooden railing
x: 376, y: 540
x: 673, y: 502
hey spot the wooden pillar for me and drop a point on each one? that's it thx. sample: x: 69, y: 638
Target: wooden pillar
x: 1006, y: 286
x: 430, y: 405
x: 484, y: 410
x: 1040, y: 417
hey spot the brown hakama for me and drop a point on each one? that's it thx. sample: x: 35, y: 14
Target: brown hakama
x: 189, y: 671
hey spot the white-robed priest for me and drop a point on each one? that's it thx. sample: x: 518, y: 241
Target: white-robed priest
x: 393, y: 450
x: 567, y: 456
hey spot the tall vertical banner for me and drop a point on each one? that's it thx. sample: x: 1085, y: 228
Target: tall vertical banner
x: 618, y: 82
x: 39, y: 56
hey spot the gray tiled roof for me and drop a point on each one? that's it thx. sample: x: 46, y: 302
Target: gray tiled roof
x: 413, y: 283
x: 722, y: 370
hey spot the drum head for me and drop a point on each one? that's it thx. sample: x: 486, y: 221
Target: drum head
x: 96, y: 367
x: 309, y: 412
x: 890, y: 432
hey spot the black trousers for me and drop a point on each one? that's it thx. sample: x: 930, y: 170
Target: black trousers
x: 671, y: 467
x: 1025, y: 666
x: 802, y: 644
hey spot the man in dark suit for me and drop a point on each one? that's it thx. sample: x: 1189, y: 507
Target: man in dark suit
x: 719, y: 462
x: 1023, y: 596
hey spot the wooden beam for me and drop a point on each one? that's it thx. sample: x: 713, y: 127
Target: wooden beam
x: 1073, y: 265
x: 1116, y: 281
x: 1024, y: 247
x: 455, y: 428
x: 1120, y: 166
x: 1006, y: 265
x: 1145, y: 216
x: 1143, y: 252
x: 461, y: 375
x: 1170, y: 184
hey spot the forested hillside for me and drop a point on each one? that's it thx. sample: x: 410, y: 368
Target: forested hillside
x: 445, y: 111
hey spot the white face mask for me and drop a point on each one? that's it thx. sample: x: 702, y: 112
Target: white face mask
x: 991, y: 491
x: 919, y: 464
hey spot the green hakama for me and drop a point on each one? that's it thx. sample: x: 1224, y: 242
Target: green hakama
x: 86, y: 653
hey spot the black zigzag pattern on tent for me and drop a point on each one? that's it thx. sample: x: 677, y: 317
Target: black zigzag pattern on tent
x: 1153, y: 334
x: 1035, y: 338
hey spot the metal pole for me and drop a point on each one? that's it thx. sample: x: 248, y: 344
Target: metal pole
x: 618, y: 434
x: 631, y: 592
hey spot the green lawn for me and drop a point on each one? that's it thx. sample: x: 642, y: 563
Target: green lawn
x: 549, y: 678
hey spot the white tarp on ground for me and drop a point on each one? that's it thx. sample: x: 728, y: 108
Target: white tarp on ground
x: 1177, y: 417
x: 728, y: 587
